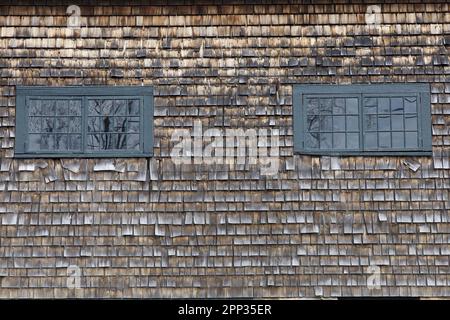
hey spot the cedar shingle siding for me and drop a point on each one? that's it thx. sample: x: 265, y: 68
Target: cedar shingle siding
x: 145, y: 227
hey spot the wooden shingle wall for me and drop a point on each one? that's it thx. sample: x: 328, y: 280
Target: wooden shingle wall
x: 149, y: 228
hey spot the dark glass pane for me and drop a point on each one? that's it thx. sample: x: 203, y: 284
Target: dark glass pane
x: 370, y: 140
x: 384, y: 123
x: 74, y: 124
x: 339, y: 123
x: 397, y: 105
x: 61, y: 108
x: 326, y: 140
x: 352, y: 140
x: 48, y: 125
x: 48, y: 107
x: 370, y: 105
x: 339, y: 140
x: 352, y: 106
x: 34, y: 142
x: 326, y: 106
x: 94, y: 124
x: 397, y: 122
x: 312, y: 140
x: 325, y: 123
x: 410, y: 105
x: 107, y: 107
x: 133, y: 107
x: 370, y: 122
x: 34, y: 124
x: 61, y: 142
x: 105, y: 124
x: 62, y: 124
x: 34, y: 108
x: 352, y: 123
x: 410, y: 122
x: 411, y: 139
x: 313, y: 123
x: 95, y: 107
x: 312, y: 107
x: 121, y: 142
x: 383, y: 105
x: 384, y: 139
x: 95, y: 141
x: 134, y: 123
x: 48, y: 142
x: 120, y: 107
x: 74, y: 107
x: 75, y: 142
x: 120, y: 124
x: 339, y: 106
x: 398, y: 140
x: 133, y: 141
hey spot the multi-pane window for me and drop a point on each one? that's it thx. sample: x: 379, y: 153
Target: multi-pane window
x: 84, y: 121
x: 362, y: 119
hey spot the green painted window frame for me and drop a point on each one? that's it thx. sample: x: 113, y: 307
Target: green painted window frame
x: 83, y: 93
x: 361, y: 91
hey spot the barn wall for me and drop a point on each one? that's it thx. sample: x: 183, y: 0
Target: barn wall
x: 149, y: 228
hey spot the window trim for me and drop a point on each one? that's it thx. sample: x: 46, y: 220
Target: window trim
x: 424, y: 115
x: 144, y: 93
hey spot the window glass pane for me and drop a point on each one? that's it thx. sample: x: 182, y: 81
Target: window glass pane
x: 411, y: 122
x: 352, y: 123
x: 34, y: 142
x: 397, y: 122
x: 74, y: 108
x: 339, y: 123
x: 312, y: 140
x: 133, y: 141
x: 339, y: 106
x: 326, y: 106
x: 383, y: 105
x: 370, y: 140
x: 61, y: 142
x: 370, y: 122
x: 61, y: 108
x: 398, y: 139
x: 326, y: 140
x: 74, y: 124
x: 312, y: 106
x: 48, y: 107
x: 353, y: 140
x: 133, y: 107
x: 351, y: 106
x: 325, y: 123
x: 370, y: 105
x: 313, y: 123
x: 34, y: 108
x: 384, y: 123
x: 339, y: 140
x: 397, y: 105
x: 34, y: 124
x: 48, y: 142
x: 384, y: 139
x: 62, y: 124
x: 411, y: 139
x: 48, y: 124
x: 410, y: 105
x: 75, y: 142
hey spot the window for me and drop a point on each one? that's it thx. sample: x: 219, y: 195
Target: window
x: 84, y: 121
x: 387, y: 119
